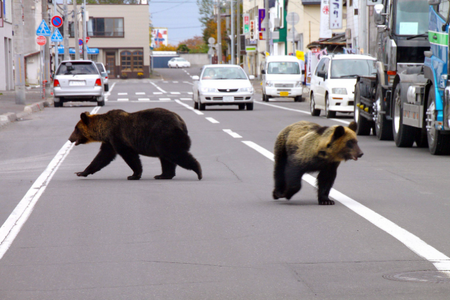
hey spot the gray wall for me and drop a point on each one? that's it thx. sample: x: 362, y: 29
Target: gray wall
x: 196, y: 58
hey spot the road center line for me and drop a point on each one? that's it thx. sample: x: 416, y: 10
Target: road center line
x: 189, y: 107
x: 212, y: 120
x: 414, y: 243
x: 232, y: 133
x: 12, y: 226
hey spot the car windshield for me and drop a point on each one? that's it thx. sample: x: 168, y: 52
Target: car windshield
x: 350, y: 68
x: 223, y: 73
x: 77, y: 69
x: 283, y: 67
x: 411, y: 17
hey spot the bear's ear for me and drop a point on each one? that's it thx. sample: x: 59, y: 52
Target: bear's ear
x: 353, y: 126
x: 338, y: 132
x: 85, y: 117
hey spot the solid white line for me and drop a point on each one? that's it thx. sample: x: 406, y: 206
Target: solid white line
x: 212, y: 120
x: 175, y: 93
x: 14, y: 223
x: 186, y: 99
x: 414, y: 243
x: 140, y: 93
x: 158, y: 87
x: 157, y: 93
x: 122, y: 99
x: 298, y: 110
x: 189, y: 107
x: 232, y: 133
x: 143, y: 99
x: 122, y: 94
x: 164, y: 99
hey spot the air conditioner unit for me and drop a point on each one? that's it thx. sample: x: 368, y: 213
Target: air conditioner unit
x: 348, y: 33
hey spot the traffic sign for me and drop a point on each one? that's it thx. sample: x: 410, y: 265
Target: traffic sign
x: 80, y: 42
x: 87, y: 39
x: 56, y: 36
x: 43, y: 29
x: 41, y: 40
x: 57, y: 21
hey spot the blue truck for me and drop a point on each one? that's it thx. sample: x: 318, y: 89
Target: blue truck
x: 408, y: 99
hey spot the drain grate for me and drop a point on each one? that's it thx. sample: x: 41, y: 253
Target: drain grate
x: 427, y: 276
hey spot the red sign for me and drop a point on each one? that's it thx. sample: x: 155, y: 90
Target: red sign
x: 87, y: 39
x: 41, y: 40
x: 57, y: 21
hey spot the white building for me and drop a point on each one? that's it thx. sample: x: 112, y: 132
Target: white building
x: 6, y: 46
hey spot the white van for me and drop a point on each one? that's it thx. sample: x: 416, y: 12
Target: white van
x: 282, y: 77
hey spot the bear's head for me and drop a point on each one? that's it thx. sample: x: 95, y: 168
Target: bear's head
x: 83, y: 132
x: 340, y: 144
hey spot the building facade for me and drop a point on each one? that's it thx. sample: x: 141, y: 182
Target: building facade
x: 6, y: 46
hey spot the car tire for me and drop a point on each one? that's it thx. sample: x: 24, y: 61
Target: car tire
x: 265, y: 98
x: 106, y: 87
x: 100, y: 102
x: 57, y: 103
x: 328, y: 113
x: 241, y: 106
x: 249, y: 106
x: 298, y: 99
x: 312, y: 107
x: 201, y: 106
x: 195, y: 105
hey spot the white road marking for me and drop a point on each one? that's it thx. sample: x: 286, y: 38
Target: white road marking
x: 440, y: 261
x: 121, y: 94
x: 14, y: 223
x: 186, y: 99
x: 175, y: 93
x: 189, y: 107
x: 164, y: 99
x: 140, y: 93
x: 143, y: 99
x: 232, y: 133
x: 212, y: 120
x: 122, y: 99
x: 160, y: 89
x: 157, y: 93
x: 298, y: 110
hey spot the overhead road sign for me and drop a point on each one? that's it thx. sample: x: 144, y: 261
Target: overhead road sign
x: 56, y: 36
x: 43, y: 29
x: 57, y: 21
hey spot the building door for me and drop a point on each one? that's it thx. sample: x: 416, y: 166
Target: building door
x: 111, y: 64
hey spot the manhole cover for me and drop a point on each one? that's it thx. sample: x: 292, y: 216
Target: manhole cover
x: 421, y: 276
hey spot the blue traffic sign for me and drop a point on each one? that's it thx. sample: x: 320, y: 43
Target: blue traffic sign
x: 56, y: 36
x: 57, y: 21
x: 43, y: 29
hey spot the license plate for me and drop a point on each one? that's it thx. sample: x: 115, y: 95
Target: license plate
x: 77, y: 82
x: 228, y: 99
x: 285, y: 94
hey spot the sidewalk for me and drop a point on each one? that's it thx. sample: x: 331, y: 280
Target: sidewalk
x: 10, y: 111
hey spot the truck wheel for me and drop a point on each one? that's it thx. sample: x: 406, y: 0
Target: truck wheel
x: 328, y: 113
x: 438, y: 143
x: 312, y: 107
x: 363, y: 125
x: 403, y: 134
x: 383, y: 126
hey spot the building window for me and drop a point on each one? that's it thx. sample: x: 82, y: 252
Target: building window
x: 107, y: 27
x: 132, y: 61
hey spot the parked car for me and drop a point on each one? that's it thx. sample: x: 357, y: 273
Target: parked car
x: 223, y: 85
x: 178, y: 62
x: 333, y: 82
x: 282, y: 77
x: 104, y: 74
x: 78, y: 80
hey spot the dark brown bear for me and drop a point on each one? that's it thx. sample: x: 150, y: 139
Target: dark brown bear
x: 153, y: 132
x: 305, y: 147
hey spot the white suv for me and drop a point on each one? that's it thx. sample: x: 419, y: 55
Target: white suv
x: 333, y: 82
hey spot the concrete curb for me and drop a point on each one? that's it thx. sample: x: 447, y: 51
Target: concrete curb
x: 10, y: 117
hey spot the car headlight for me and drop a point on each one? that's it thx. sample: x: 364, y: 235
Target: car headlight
x: 339, y: 91
x: 246, y: 90
x: 269, y: 83
x: 298, y: 84
x: 208, y: 90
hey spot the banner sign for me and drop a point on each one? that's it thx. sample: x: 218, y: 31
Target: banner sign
x: 336, y: 14
x: 261, y: 15
x: 325, y: 31
x: 246, y: 23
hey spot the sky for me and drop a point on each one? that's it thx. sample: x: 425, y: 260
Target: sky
x: 179, y: 16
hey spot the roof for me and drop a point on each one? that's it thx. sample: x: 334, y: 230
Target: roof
x: 336, y: 41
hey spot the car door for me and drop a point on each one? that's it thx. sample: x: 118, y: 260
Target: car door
x: 321, y: 74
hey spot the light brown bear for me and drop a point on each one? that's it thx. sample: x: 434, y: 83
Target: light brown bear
x: 155, y: 132
x: 306, y: 147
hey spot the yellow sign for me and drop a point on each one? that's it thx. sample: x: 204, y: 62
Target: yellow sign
x: 284, y: 94
x: 300, y: 55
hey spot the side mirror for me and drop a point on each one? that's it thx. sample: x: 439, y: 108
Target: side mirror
x: 251, y: 77
x: 321, y: 74
x: 109, y: 71
x: 195, y: 77
x: 263, y: 71
x: 379, y: 16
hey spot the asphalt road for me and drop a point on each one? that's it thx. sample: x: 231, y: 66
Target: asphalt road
x: 224, y: 237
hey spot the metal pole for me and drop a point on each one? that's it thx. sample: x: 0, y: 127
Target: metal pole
x: 19, y: 61
x: 57, y: 43
x: 219, y: 34
x: 83, y: 12
x: 75, y: 25
x: 45, y: 16
x: 238, y: 33
x: 266, y: 21
x: 66, y: 32
x: 232, y: 31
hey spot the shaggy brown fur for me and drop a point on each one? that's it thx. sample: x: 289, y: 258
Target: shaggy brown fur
x: 305, y: 147
x: 153, y: 132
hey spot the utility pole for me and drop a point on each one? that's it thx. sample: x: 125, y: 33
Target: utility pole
x: 238, y: 33
x: 66, y: 32
x: 232, y: 31
x: 19, y: 61
x: 219, y: 36
x: 75, y: 26
x: 83, y: 13
x: 266, y: 21
x: 46, y: 52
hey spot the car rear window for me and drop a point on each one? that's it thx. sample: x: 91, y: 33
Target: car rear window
x: 100, y: 68
x: 77, y: 68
